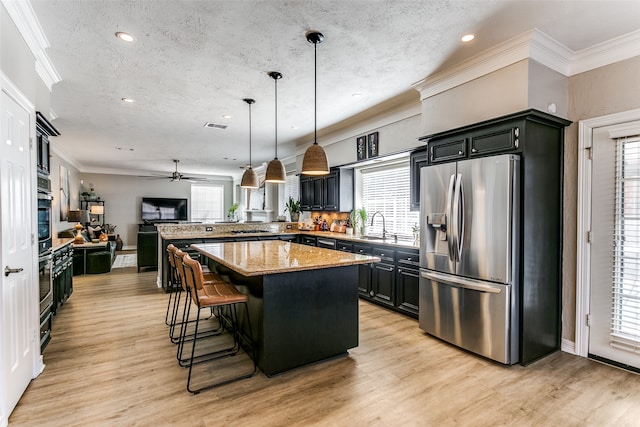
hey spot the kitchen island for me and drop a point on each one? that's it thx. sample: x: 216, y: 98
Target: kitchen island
x: 303, y: 301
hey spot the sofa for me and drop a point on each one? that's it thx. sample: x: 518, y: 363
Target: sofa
x: 95, y: 261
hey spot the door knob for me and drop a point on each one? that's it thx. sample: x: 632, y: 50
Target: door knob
x: 8, y: 271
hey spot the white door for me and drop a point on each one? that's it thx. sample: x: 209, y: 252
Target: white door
x: 18, y: 299
x: 614, y: 317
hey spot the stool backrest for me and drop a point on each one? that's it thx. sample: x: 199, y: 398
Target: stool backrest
x: 171, y: 254
x: 179, y: 256
x: 193, y: 276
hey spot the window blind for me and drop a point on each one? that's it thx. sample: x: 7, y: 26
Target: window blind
x: 292, y: 187
x: 207, y: 203
x: 386, y: 190
x: 625, y: 314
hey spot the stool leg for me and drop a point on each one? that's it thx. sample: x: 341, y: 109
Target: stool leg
x: 235, y: 326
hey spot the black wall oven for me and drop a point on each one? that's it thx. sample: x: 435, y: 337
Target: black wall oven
x: 44, y: 214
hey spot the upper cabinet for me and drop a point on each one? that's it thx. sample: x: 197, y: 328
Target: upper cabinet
x: 520, y: 133
x: 333, y: 192
x: 44, y: 130
x: 417, y: 160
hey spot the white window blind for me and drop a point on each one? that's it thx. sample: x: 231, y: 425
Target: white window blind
x: 207, y: 203
x: 625, y: 315
x: 386, y: 190
x: 292, y: 188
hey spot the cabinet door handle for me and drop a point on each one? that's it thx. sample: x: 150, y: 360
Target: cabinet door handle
x: 386, y: 268
x: 473, y: 150
x: 459, y: 152
x: 399, y: 270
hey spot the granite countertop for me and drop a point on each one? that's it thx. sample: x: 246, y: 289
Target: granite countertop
x: 326, y: 234
x: 258, y: 258
x: 58, y: 243
x: 373, y: 241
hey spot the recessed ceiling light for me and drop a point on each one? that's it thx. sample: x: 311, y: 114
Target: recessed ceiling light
x: 356, y: 95
x: 129, y: 100
x: 125, y: 37
x: 468, y: 37
x: 295, y: 127
x: 226, y: 116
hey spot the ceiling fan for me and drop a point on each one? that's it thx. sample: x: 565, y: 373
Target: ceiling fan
x: 177, y: 176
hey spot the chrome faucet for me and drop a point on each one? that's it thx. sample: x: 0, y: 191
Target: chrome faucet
x: 384, y: 226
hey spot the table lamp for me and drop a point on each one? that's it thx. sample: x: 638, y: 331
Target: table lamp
x: 79, y: 217
x: 97, y: 210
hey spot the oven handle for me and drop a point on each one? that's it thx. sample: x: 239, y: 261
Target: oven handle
x: 44, y: 196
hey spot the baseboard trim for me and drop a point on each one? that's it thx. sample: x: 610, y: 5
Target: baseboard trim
x: 568, y: 346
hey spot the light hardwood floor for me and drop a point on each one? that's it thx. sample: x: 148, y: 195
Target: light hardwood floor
x: 110, y: 363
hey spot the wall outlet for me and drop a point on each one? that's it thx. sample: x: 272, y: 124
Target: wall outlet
x: 209, y: 229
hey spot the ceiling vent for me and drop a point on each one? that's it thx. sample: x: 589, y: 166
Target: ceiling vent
x: 213, y: 125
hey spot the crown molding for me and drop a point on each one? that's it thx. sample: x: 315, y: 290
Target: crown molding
x: 25, y: 20
x: 609, y: 52
x: 536, y: 45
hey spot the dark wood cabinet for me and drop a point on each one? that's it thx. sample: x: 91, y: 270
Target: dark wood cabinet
x: 407, y: 282
x: 447, y: 149
x: 364, y: 271
x: 501, y: 139
x: 306, y: 193
x: 307, y: 240
x: 62, y: 276
x: 333, y: 192
x: 44, y: 130
x: 317, y: 198
x: 417, y: 160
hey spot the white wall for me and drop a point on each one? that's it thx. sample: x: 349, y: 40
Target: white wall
x: 123, y: 194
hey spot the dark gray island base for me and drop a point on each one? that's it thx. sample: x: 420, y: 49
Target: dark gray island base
x: 297, y: 317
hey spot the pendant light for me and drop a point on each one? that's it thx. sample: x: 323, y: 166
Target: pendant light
x: 249, y: 178
x: 315, y: 159
x: 275, y: 169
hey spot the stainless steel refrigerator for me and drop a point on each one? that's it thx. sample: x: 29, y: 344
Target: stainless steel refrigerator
x: 469, y: 246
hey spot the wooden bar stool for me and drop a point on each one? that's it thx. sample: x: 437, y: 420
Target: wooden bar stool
x: 220, y: 296
x: 178, y: 322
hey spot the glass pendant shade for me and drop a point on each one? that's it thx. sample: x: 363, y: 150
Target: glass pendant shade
x: 275, y: 169
x: 249, y: 177
x: 315, y: 159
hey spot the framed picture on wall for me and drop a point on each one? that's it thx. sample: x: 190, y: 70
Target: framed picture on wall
x: 373, y: 144
x: 65, y: 200
x: 361, y: 147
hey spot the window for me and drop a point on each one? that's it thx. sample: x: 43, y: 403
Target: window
x: 386, y: 189
x: 292, y: 188
x: 625, y: 316
x: 207, y: 203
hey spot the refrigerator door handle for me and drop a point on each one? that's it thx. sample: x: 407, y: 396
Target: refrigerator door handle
x: 456, y: 220
x: 461, y: 282
x: 449, y: 230
x: 460, y: 211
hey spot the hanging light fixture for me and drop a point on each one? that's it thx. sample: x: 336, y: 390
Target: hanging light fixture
x: 275, y: 169
x: 315, y: 159
x: 249, y: 177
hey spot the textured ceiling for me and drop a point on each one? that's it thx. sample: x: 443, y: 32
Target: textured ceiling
x: 193, y: 61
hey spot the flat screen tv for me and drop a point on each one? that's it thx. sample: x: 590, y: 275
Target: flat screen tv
x: 164, y: 209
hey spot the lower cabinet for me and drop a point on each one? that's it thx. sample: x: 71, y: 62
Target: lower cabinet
x: 62, y: 276
x: 383, y: 277
x: 392, y: 282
